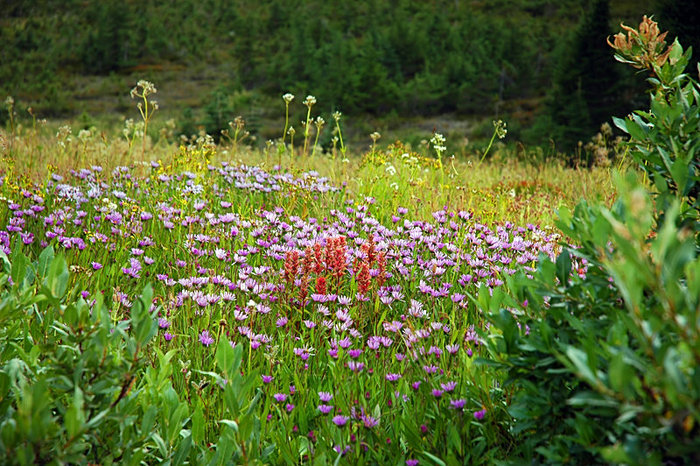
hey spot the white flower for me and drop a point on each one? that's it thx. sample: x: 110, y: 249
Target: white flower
x: 288, y: 97
x: 438, y: 142
x: 310, y: 100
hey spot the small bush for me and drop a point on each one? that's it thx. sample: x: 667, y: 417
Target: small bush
x: 602, y: 346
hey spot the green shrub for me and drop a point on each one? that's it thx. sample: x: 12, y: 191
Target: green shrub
x: 68, y: 372
x: 602, y: 346
x: 665, y: 141
x: 77, y: 387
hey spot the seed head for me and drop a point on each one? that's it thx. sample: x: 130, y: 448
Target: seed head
x: 309, y: 101
x: 500, y: 128
x: 643, y: 48
x: 147, y: 88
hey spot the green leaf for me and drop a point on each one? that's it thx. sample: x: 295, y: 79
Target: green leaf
x: 230, y: 423
x: 564, y: 267
x: 254, y: 402
x: 75, y: 418
x: 231, y: 398
x: 227, y: 358
x: 615, y: 454
x: 176, y: 421
x: 505, y: 321
x: 4, y: 385
x: 149, y: 419
x: 672, y: 362
x: 160, y: 444
x: 433, y: 458
x: 620, y: 374
x: 95, y: 420
x: 676, y: 52
x: 6, y: 264
x: 57, y: 279
x: 637, y: 129
x: 588, y: 398
x: 267, y: 451
x: 680, y: 174
x: 198, y: 425
x: 580, y: 360
x: 44, y: 262
x: 620, y: 123
x: 19, y: 268
x: 145, y: 325
x: 183, y: 450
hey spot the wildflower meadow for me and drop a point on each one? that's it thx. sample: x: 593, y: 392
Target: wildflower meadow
x: 209, y: 301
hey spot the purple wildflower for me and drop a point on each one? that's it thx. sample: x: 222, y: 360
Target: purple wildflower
x: 205, y: 338
x: 369, y: 421
x: 340, y: 420
x: 458, y: 404
x: 449, y: 386
x: 325, y: 409
x: 356, y: 366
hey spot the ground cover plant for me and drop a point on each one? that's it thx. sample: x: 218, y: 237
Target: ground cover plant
x: 213, y: 304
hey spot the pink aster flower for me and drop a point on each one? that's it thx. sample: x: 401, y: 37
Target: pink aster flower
x: 205, y: 338
x: 340, y: 420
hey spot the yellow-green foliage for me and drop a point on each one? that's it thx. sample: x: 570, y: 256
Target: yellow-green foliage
x: 502, y: 188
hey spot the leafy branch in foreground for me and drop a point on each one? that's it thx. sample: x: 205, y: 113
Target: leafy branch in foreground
x: 665, y: 141
x: 603, y: 344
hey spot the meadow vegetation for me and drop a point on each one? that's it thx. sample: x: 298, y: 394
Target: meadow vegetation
x: 203, y: 300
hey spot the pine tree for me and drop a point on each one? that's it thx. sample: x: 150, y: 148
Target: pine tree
x: 106, y: 47
x: 585, y: 82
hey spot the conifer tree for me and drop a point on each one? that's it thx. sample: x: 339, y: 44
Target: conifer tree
x: 585, y: 82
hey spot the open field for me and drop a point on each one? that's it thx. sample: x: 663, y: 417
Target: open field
x: 199, y: 301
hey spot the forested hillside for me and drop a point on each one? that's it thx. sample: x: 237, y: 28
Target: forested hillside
x: 400, y: 57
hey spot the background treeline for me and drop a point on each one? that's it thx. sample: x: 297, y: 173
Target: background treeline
x: 540, y: 63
